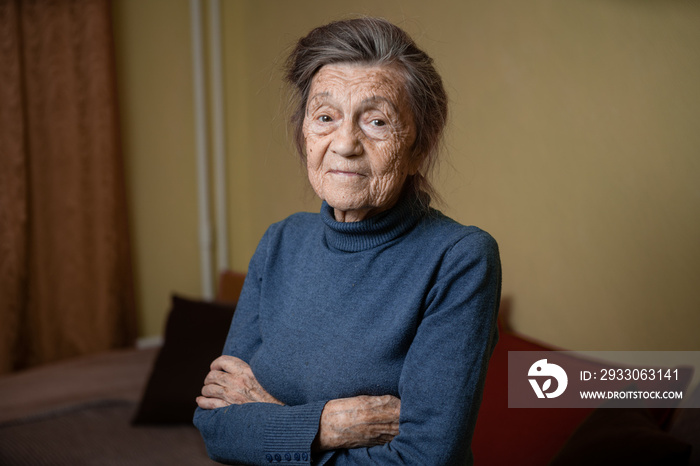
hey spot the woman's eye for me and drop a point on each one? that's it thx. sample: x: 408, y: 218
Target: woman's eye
x: 325, y: 119
x: 377, y: 122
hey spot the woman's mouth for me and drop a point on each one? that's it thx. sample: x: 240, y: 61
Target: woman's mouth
x: 344, y: 173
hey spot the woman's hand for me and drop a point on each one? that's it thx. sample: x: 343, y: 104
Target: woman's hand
x: 361, y: 421
x: 231, y: 382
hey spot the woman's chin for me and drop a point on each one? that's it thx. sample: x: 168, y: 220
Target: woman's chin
x: 346, y: 203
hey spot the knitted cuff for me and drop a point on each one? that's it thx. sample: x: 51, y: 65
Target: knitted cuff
x: 290, y: 432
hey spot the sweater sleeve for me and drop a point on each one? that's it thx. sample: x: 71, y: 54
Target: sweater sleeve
x: 443, y: 375
x: 256, y: 433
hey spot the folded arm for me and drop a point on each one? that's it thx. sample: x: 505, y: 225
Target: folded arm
x: 361, y: 421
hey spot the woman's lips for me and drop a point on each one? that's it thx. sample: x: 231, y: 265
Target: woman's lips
x: 344, y: 173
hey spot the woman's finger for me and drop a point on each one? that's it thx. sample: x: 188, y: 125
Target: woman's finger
x: 213, y: 391
x: 211, y: 377
x: 230, y: 364
x: 210, y: 403
x: 220, y: 378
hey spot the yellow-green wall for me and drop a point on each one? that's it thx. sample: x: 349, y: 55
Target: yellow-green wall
x: 573, y: 139
x: 154, y: 77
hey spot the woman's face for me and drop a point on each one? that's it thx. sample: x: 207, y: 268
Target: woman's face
x: 359, y: 132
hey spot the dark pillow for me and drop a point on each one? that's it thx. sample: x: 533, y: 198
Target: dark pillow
x: 622, y: 436
x: 194, y: 336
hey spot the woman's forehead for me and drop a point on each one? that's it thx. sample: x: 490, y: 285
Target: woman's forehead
x: 366, y: 82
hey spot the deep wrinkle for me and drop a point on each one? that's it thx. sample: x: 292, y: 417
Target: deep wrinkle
x: 359, y: 131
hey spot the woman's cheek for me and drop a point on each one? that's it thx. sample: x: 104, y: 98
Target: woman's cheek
x: 313, y: 159
x: 391, y: 156
x: 313, y: 165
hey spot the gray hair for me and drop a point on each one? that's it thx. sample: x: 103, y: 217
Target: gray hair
x: 374, y: 41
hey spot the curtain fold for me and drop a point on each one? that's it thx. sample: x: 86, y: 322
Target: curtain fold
x: 13, y: 195
x: 65, y: 271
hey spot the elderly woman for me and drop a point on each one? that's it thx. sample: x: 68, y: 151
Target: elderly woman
x: 363, y: 333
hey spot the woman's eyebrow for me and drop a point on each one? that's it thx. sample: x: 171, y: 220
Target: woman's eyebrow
x: 378, y: 98
x: 320, y: 95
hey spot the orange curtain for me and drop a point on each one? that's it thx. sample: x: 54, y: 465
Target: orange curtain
x: 65, y: 272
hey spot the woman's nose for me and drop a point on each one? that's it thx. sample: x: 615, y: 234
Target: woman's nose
x: 346, y: 141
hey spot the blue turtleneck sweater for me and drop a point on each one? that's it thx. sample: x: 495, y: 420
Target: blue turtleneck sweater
x: 403, y: 303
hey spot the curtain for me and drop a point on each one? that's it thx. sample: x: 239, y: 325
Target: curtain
x: 65, y: 272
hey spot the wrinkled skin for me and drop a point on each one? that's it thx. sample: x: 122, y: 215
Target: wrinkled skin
x: 360, y: 421
x: 359, y: 133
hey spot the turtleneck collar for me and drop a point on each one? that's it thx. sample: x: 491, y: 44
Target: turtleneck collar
x: 376, y: 230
